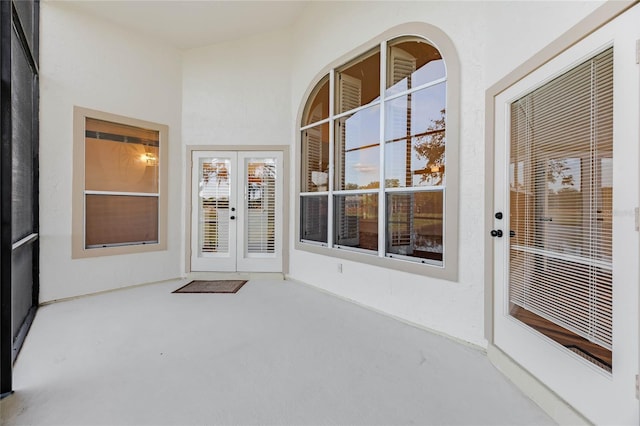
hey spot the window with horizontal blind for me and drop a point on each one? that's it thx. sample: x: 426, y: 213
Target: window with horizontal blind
x: 118, y: 175
x: 378, y: 158
x: 561, y: 192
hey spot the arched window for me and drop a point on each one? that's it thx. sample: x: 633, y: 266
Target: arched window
x: 378, y: 159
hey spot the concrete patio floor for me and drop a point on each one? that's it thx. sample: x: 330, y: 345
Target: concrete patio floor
x: 276, y: 352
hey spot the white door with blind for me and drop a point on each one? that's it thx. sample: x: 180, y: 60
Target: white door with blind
x: 566, y: 249
x: 236, y: 211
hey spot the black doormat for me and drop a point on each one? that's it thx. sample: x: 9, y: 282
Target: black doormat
x: 215, y: 286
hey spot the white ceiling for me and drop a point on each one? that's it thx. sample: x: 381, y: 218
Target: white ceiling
x: 187, y: 23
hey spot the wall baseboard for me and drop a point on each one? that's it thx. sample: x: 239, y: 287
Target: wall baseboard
x: 557, y: 408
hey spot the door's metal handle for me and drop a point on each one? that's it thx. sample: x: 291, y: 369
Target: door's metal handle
x: 496, y: 233
x: 232, y: 217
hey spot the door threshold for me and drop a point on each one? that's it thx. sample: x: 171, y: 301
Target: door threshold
x: 202, y: 275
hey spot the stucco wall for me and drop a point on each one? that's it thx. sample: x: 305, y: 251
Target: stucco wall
x: 90, y: 63
x: 238, y: 92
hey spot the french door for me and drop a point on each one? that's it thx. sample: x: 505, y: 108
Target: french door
x: 566, y: 248
x: 236, y: 217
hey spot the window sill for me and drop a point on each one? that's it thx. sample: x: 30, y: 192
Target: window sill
x: 396, y: 263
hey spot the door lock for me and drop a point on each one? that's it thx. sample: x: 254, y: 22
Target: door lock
x: 496, y: 233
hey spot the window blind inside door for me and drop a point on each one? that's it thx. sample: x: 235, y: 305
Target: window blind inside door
x: 215, y: 190
x: 261, y: 205
x: 561, y: 200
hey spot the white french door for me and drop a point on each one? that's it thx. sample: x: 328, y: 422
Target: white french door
x: 236, y: 211
x: 566, y: 249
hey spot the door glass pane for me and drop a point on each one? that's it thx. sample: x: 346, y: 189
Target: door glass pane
x: 560, y: 275
x: 357, y: 155
x: 415, y: 138
x: 213, y: 212
x: 415, y: 224
x: 356, y: 221
x: 260, y: 209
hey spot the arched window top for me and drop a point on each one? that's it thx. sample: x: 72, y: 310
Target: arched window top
x: 317, y: 108
x: 411, y: 61
x: 378, y: 169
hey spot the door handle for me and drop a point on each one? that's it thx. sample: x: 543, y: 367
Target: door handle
x: 496, y: 233
x: 232, y: 217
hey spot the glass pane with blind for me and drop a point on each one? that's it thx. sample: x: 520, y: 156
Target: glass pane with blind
x: 358, y: 83
x: 415, y: 225
x: 213, y: 208
x: 357, y: 153
x: 120, y: 158
x: 356, y: 221
x: 261, y: 205
x: 561, y: 205
x: 415, y: 138
x: 113, y: 220
x: 412, y: 62
x: 315, y: 159
x: 317, y: 107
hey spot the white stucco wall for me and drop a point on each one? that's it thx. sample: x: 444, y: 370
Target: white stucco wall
x: 238, y: 92
x: 90, y: 63
x: 491, y: 39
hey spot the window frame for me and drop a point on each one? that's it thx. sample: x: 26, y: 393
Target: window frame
x: 448, y: 269
x: 78, y: 249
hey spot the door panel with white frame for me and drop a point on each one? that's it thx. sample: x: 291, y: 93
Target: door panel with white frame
x: 565, y: 261
x: 236, y: 218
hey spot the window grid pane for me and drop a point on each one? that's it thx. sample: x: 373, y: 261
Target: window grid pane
x: 113, y: 220
x: 415, y: 224
x: 314, y: 216
x: 357, y: 153
x: 356, y: 223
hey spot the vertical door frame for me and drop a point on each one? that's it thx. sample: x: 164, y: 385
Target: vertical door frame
x: 10, y: 345
x: 286, y: 191
x: 545, y: 397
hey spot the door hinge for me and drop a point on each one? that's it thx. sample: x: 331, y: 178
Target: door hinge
x: 637, y: 387
x: 636, y: 213
x: 637, y: 51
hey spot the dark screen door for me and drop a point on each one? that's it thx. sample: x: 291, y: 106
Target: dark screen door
x: 19, y: 249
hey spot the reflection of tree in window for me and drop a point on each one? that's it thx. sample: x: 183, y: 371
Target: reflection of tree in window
x: 431, y: 146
